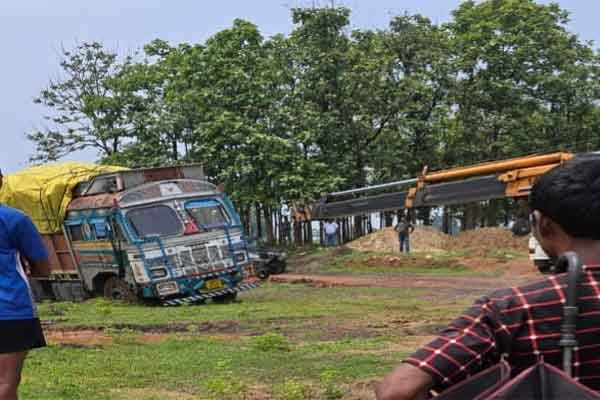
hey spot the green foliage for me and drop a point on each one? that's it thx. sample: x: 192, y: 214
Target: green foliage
x: 523, y: 82
x: 330, y: 378
x: 270, y: 342
x: 287, y: 118
x: 223, y: 384
x: 88, y: 109
x: 293, y: 390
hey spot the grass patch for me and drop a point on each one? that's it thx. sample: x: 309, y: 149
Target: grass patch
x: 283, y: 341
x: 270, y: 303
x: 204, y: 367
x: 394, y: 264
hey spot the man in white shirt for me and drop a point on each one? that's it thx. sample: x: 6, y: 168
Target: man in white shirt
x: 331, y: 229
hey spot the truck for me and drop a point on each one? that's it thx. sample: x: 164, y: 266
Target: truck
x: 159, y: 235
x: 510, y: 178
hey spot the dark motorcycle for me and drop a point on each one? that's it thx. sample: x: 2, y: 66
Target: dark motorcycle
x: 268, y: 261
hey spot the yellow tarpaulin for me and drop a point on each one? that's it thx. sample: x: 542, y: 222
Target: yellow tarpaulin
x: 44, y: 192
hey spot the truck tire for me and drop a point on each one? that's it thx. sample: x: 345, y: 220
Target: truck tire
x: 226, y: 298
x: 117, y: 289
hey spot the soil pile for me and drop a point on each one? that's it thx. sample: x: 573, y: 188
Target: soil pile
x: 479, y: 242
x: 424, y: 238
x: 484, y: 241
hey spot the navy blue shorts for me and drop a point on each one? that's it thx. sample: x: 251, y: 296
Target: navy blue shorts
x: 21, y: 335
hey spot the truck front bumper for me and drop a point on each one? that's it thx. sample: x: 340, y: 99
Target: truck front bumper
x: 204, y: 296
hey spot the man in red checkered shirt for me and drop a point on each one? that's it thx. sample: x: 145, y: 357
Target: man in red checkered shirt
x: 522, y: 324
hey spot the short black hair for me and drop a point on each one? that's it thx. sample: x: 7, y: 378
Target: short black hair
x: 569, y: 194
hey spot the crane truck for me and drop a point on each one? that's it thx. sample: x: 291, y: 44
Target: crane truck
x: 510, y: 178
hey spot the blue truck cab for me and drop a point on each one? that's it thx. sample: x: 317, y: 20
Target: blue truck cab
x: 161, y: 234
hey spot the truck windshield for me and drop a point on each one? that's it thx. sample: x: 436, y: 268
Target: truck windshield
x: 207, y: 213
x: 155, y: 220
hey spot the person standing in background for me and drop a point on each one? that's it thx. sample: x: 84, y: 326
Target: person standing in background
x: 331, y: 229
x: 404, y: 228
x: 20, y: 328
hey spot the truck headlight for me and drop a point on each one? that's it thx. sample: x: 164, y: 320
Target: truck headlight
x: 158, y: 273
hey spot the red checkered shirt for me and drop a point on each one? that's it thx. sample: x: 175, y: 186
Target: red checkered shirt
x: 521, y: 324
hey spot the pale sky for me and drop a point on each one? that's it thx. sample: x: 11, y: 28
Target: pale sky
x: 32, y: 32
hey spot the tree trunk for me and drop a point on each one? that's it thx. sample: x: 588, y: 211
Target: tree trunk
x: 344, y: 231
x: 470, y: 216
x: 321, y: 234
x: 269, y: 225
x: 446, y: 220
x: 246, y: 219
x: 309, y: 234
x: 297, y: 228
x: 425, y: 215
x: 358, y: 226
x: 389, y: 218
x: 491, y: 213
x: 259, y: 230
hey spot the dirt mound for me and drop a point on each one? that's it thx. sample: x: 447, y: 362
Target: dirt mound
x: 482, y: 241
x: 424, y: 238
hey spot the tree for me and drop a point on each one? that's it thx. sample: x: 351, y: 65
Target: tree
x: 417, y: 79
x: 158, y: 108
x: 523, y: 82
x: 86, y: 108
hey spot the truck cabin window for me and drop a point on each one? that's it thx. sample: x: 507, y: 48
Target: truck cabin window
x: 100, y: 229
x: 155, y: 220
x: 76, y: 233
x: 207, y: 213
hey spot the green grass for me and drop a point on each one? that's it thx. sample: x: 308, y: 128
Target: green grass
x: 204, y: 367
x: 292, y: 342
x: 271, y: 301
x: 344, y: 261
x: 282, y: 341
x: 358, y: 263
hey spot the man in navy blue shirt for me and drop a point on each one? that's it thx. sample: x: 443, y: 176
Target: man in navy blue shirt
x: 20, y: 329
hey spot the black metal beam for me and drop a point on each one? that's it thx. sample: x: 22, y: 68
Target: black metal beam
x: 448, y: 193
x: 362, y: 205
x: 461, y: 192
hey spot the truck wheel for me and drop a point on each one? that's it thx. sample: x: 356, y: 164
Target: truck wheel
x: 117, y: 289
x: 226, y: 298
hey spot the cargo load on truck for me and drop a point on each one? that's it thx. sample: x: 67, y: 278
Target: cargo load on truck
x: 44, y: 192
x: 159, y: 234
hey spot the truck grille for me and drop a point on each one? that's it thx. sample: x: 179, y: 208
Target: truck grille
x: 199, y: 255
x: 196, y: 260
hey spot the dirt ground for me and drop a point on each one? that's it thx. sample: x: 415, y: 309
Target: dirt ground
x: 480, y: 241
x: 458, y: 285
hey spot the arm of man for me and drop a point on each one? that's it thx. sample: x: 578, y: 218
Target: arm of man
x: 471, y: 343
x: 405, y: 383
x: 30, y: 245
